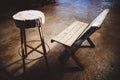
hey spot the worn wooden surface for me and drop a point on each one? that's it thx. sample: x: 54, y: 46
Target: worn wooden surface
x: 71, y: 33
x: 29, y: 18
x: 99, y: 19
x: 97, y: 22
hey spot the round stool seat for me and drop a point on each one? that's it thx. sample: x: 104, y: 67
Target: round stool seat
x: 29, y: 18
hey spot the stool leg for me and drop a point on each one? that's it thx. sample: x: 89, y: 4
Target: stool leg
x: 43, y: 47
x: 23, y: 47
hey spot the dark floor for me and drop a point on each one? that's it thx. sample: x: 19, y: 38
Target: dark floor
x: 100, y: 63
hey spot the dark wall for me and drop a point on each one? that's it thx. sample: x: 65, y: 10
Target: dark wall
x: 118, y: 3
x: 22, y: 4
x: 7, y: 4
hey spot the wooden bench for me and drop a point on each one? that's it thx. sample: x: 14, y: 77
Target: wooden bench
x: 74, y: 35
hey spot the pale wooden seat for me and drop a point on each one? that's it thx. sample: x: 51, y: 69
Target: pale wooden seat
x: 73, y: 36
x: 71, y: 33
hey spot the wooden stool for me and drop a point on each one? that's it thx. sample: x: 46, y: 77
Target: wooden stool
x: 30, y: 19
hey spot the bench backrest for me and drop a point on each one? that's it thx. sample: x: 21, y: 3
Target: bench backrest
x: 96, y: 23
x: 99, y: 19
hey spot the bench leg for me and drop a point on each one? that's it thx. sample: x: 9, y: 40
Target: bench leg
x: 88, y: 46
x: 64, y: 57
x: 79, y: 66
x: 70, y: 53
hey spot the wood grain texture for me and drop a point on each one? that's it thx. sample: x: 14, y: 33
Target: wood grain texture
x: 99, y: 19
x: 71, y: 34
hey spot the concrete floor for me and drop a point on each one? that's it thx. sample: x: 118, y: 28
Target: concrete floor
x: 100, y: 63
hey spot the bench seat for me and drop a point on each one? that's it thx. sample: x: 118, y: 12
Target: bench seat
x: 70, y: 34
